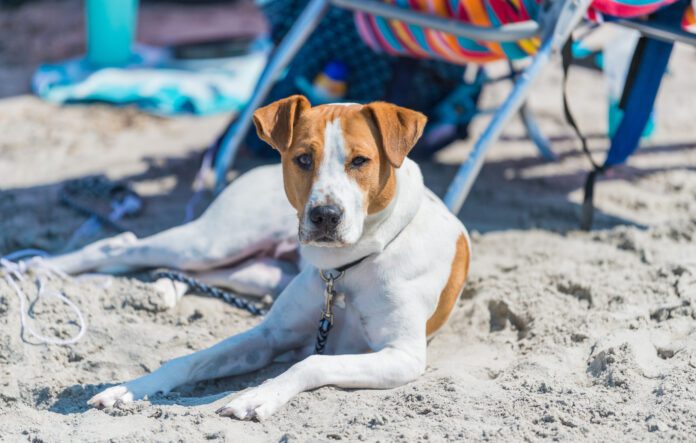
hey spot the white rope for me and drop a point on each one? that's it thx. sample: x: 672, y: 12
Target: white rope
x: 16, y: 272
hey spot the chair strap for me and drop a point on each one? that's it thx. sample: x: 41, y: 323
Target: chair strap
x: 647, y: 68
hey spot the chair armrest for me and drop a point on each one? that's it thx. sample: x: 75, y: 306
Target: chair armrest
x: 505, y: 33
x: 659, y: 31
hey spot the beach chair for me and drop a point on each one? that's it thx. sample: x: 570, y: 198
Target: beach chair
x: 544, y: 27
x: 536, y: 36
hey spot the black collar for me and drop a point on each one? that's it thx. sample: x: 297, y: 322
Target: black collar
x: 336, y: 273
x: 344, y: 268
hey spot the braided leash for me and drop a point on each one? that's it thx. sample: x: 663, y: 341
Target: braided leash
x: 325, y: 322
x: 211, y: 291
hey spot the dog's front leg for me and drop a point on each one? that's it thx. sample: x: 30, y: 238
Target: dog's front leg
x: 239, y: 354
x: 387, y: 368
x: 285, y: 327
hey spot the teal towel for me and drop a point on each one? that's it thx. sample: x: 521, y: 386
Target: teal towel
x: 156, y: 83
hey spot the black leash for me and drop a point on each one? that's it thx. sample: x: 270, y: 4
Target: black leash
x: 325, y: 322
x: 211, y: 291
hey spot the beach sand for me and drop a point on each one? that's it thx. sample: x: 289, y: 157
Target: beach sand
x: 560, y: 334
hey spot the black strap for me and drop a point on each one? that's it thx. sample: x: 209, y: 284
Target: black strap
x: 347, y: 266
x: 567, y: 57
x: 587, y: 214
x: 633, y: 71
x: 587, y: 204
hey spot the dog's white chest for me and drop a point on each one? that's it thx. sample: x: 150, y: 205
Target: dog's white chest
x: 349, y: 334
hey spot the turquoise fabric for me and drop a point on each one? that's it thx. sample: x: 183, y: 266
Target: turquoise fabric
x: 155, y: 83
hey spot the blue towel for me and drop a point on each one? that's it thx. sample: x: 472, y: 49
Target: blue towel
x: 156, y: 83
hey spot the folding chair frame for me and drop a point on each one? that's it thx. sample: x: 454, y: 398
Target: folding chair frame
x: 659, y: 32
x: 557, y: 20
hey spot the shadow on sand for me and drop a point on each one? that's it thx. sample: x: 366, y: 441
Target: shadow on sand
x: 33, y: 217
x: 73, y: 399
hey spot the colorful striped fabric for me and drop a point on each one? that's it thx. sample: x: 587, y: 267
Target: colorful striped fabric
x: 689, y: 20
x: 397, y: 38
x: 628, y: 8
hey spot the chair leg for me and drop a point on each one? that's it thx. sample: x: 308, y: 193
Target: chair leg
x: 534, y: 132
x: 558, y: 23
x: 306, y: 23
x: 468, y: 171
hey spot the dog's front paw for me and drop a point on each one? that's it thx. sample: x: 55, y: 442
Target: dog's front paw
x: 111, y: 396
x: 259, y: 403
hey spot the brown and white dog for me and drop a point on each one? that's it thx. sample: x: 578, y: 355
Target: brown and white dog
x: 357, y: 198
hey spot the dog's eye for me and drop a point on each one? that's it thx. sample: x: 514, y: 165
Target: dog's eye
x: 304, y: 161
x: 358, y: 161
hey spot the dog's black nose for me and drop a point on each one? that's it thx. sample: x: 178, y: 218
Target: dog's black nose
x: 326, y: 216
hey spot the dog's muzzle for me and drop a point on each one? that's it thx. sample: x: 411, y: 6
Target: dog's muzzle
x: 325, y: 220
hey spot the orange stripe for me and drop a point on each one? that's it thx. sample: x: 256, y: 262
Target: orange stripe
x: 477, y: 13
x: 441, y: 47
x: 422, y: 5
x: 453, y: 288
x: 689, y: 18
x: 479, y: 16
x: 483, y: 58
x: 438, y: 7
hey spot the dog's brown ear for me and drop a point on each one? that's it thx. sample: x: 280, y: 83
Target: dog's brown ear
x: 275, y: 122
x: 399, y: 129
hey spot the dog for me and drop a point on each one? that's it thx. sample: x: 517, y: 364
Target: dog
x: 366, y: 225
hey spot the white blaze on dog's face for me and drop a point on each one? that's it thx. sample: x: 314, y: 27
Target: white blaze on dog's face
x: 338, y: 161
x: 334, y: 194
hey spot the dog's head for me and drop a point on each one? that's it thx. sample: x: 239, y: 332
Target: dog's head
x: 338, y: 161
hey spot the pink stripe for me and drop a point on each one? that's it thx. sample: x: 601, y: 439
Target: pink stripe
x: 365, y: 31
x: 382, y: 42
x: 612, y: 7
x: 445, y: 49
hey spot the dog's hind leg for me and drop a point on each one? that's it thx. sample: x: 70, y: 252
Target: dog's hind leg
x: 251, y: 215
x: 182, y: 247
x: 92, y: 256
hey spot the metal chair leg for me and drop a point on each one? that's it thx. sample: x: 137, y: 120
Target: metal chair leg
x: 306, y: 23
x: 558, y: 24
x: 534, y: 132
x: 468, y: 171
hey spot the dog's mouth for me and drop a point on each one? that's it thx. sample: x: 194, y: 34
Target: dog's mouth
x: 321, y: 239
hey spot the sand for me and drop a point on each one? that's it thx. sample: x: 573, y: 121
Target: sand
x: 560, y: 334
